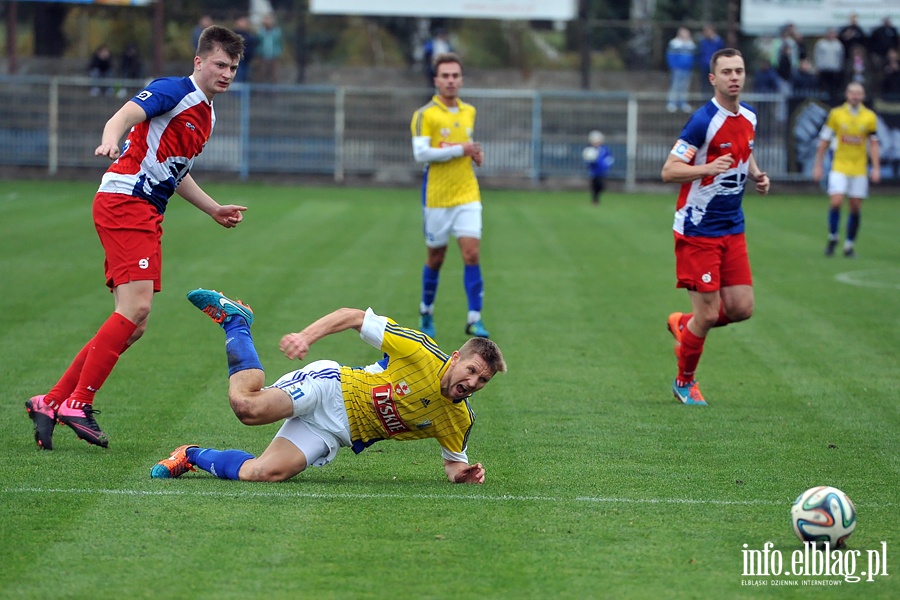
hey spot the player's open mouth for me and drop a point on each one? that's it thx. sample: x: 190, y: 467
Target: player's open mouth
x: 461, y: 390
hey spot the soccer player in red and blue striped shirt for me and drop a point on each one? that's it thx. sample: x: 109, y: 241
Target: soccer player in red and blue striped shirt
x: 712, y: 161
x: 168, y: 124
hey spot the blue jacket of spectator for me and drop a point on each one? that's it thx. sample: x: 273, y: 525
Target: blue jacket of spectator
x: 705, y: 50
x: 680, y: 55
x: 599, y: 167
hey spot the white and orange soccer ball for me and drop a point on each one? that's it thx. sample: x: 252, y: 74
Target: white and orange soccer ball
x: 823, y: 514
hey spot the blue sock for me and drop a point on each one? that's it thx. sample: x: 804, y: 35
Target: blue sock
x: 474, y: 286
x: 239, y: 346
x: 852, y: 226
x: 429, y: 285
x: 834, y: 219
x: 224, y: 464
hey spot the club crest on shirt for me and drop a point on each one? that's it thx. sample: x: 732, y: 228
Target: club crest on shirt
x: 445, y: 132
x: 401, y: 389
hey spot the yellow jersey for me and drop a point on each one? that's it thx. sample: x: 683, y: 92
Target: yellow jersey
x: 453, y: 182
x: 404, y: 401
x: 851, y: 132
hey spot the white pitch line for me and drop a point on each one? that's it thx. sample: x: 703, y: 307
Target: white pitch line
x: 355, y: 496
x: 874, y: 278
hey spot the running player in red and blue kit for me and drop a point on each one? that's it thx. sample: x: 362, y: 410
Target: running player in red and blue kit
x: 712, y: 160
x: 168, y: 125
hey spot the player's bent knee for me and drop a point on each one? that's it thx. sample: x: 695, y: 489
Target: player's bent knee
x: 247, y: 412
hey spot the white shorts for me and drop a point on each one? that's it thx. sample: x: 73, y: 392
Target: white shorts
x: 460, y: 221
x: 319, y: 426
x: 856, y: 186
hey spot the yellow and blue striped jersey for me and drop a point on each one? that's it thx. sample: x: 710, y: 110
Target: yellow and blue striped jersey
x: 852, y: 132
x: 404, y: 401
x: 453, y: 182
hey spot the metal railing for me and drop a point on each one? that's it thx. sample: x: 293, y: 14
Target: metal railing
x: 55, y: 122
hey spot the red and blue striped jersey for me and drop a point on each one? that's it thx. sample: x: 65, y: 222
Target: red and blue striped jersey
x: 711, y: 206
x: 160, y: 151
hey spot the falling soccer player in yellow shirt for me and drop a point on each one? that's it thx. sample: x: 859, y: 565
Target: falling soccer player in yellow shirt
x: 416, y: 391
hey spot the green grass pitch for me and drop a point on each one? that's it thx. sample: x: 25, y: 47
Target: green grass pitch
x: 598, y: 484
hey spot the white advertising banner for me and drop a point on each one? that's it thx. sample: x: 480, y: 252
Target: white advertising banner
x: 527, y: 10
x: 813, y: 17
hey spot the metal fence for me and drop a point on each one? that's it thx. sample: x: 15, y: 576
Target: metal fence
x: 55, y: 122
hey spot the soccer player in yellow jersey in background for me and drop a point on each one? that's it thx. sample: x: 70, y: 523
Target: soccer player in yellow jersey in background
x: 451, y: 199
x: 852, y: 128
x: 416, y: 391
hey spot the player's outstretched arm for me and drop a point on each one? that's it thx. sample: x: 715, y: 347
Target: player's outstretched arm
x: 118, y: 125
x: 296, y: 345
x: 460, y: 472
x: 227, y: 215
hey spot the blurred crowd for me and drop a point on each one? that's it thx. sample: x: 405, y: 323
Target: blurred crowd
x: 792, y: 66
x: 795, y: 67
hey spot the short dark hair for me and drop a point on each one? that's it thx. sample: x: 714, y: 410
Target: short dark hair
x: 487, y: 350
x: 446, y: 57
x: 726, y: 52
x: 216, y: 36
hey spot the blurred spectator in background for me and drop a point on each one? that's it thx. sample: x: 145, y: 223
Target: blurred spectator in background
x: 852, y: 35
x: 680, y: 58
x: 801, y: 44
x: 204, y: 22
x: 883, y: 40
x: 437, y: 45
x: 709, y: 43
x: 890, y: 77
x: 242, y: 28
x: 766, y: 79
x: 786, y: 64
x: 858, y: 65
x: 828, y: 54
x: 100, y: 69
x: 777, y: 52
x: 805, y: 83
x: 270, y: 48
x: 130, y: 67
x: 598, y: 160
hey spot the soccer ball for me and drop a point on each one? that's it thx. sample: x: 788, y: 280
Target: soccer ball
x: 823, y: 514
x: 590, y: 154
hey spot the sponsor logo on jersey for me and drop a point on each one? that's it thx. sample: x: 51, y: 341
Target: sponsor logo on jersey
x: 386, y: 409
x: 145, y: 95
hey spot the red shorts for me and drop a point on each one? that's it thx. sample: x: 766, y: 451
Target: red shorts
x: 130, y: 231
x: 704, y: 264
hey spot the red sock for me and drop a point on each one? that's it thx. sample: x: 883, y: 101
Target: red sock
x: 66, y: 384
x: 682, y: 324
x: 105, y: 349
x: 723, y: 319
x: 689, y: 357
